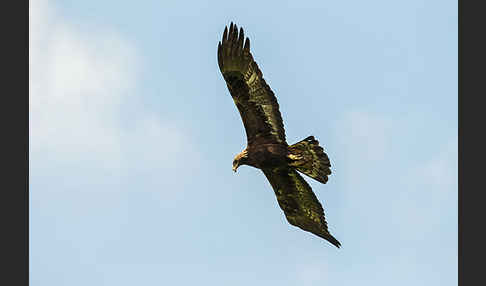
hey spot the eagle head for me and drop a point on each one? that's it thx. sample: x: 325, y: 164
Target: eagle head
x: 240, y: 159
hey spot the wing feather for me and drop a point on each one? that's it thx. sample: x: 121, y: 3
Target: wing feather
x: 299, y: 204
x: 256, y: 102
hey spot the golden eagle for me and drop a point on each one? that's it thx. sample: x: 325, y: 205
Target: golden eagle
x: 267, y: 148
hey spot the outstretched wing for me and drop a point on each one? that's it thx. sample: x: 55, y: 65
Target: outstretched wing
x: 254, y: 99
x: 299, y: 203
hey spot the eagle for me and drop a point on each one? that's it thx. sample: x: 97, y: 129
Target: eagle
x: 267, y: 148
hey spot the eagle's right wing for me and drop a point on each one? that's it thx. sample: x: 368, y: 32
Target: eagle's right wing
x: 254, y: 99
x: 299, y: 203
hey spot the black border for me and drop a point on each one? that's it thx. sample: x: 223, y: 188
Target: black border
x: 471, y: 75
x: 15, y: 143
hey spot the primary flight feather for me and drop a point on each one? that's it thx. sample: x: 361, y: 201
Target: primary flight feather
x: 267, y: 148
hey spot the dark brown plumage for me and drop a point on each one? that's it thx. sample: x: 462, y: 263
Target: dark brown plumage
x: 267, y: 148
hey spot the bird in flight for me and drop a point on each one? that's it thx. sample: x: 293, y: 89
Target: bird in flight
x: 267, y: 148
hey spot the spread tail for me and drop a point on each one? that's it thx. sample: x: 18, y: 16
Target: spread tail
x: 310, y: 159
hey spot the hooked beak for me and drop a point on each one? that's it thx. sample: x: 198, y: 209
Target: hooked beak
x: 235, y: 166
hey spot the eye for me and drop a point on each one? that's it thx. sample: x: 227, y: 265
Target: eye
x: 234, y: 162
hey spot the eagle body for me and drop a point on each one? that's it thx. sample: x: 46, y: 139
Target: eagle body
x: 267, y: 148
x: 267, y: 156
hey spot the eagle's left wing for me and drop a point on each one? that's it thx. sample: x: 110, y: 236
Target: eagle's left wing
x: 299, y: 203
x: 253, y: 97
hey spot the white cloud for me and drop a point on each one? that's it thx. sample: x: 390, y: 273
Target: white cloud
x: 78, y: 82
x: 364, y: 140
x: 416, y: 191
x: 430, y: 199
x: 312, y: 273
x: 364, y: 135
x: 440, y: 172
x: 364, y: 143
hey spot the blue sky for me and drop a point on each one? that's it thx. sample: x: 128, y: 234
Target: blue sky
x: 133, y: 131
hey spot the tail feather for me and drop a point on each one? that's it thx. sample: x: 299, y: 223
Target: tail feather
x: 310, y: 159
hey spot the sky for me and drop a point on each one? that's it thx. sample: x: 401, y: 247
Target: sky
x: 133, y: 134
